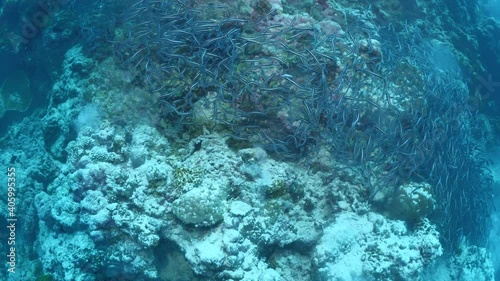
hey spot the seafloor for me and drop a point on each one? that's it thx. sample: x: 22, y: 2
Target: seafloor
x: 250, y: 140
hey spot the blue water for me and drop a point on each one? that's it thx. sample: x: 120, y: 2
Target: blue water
x: 249, y: 140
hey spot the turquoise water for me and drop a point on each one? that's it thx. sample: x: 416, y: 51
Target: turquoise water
x: 249, y: 140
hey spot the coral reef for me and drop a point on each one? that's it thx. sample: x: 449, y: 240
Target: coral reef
x: 255, y: 140
x: 374, y: 248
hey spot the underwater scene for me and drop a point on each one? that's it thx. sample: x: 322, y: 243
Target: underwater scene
x: 250, y: 140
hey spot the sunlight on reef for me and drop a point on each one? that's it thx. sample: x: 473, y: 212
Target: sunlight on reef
x: 249, y: 140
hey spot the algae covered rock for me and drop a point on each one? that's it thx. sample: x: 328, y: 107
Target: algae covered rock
x: 413, y: 201
x: 201, y: 206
